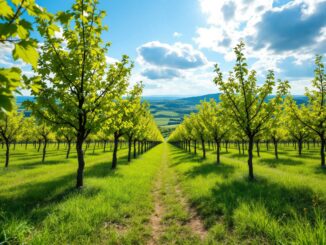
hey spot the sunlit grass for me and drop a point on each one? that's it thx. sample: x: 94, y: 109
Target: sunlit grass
x: 40, y: 205
x: 286, y: 204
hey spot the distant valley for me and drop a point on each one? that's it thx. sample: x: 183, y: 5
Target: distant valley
x: 170, y: 111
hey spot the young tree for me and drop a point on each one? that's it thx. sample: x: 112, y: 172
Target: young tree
x: 45, y: 134
x: 77, y: 85
x: 10, y: 126
x: 248, y: 104
x: 297, y: 131
x: 200, y: 129
x: 190, y: 132
x: 68, y: 134
x: 123, y: 117
x: 313, y: 115
x: 215, y: 120
x: 139, y: 110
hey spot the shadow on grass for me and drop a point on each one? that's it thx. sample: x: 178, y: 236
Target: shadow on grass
x: 280, y: 201
x: 283, y: 161
x: 206, y: 169
x: 35, y: 201
x: 320, y: 170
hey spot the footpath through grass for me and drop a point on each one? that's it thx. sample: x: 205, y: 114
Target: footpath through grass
x: 166, y: 196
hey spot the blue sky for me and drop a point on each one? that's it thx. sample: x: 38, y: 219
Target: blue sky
x: 175, y: 43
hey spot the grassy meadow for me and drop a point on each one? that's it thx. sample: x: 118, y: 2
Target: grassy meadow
x: 165, y: 196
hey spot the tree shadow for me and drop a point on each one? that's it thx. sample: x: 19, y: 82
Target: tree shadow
x: 102, y: 170
x: 179, y: 156
x: 320, y: 170
x: 282, y: 161
x: 211, y: 168
x: 280, y: 201
x: 238, y: 156
x: 35, y: 201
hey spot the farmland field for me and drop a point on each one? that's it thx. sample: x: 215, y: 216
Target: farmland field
x: 166, y: 196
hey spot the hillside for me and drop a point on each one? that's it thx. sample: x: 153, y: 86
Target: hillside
x: 169, y: 111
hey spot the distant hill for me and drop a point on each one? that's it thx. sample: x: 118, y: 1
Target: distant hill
x: 197, y: 99
x: 170, y: 111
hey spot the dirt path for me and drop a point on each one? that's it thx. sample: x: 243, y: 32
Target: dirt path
x: 173, y: 220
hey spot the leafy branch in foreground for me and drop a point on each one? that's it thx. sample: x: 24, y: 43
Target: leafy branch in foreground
x: 15, y: 32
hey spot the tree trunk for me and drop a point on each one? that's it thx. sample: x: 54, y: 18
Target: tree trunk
x: 81, y: 162
x: 135, y: 151
x: 68, y: 149
x: 115, y: 150
x: 258, y: 150
x: 250, y: 157
x: 203, y: 147
x: 7, y: 153
x: 195, y: 147
x: 129, y: 148
x: 300, y: 147
x: 275, y: 149
x: 44, y: 150
x: 239, y: 148
x: 58, y: 147
x: 104, y: 149
x: 94, y: 147
x: 39, y: 146
x: 322, y: 151
x: 218, y: 147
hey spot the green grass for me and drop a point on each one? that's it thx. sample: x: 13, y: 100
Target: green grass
x: 40, y: 206
x: 285, y: 205
x: 168, y: 114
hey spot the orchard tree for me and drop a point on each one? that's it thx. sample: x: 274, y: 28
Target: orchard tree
x: 15, y: 29
x: 189, y: 131
x: 28, y: 130
x: 297, y: 131
x: 246, y: 102
x: 10, y: 128
x: 216, y: 122
x: 139, y: 109
x: 45, y: 134
x: 200, y: 129
x: 121, y: 120
x: 78, y: 87
x: 313, y: 115
x: 69, y: 135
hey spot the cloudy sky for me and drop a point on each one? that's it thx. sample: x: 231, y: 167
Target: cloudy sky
x: 175, y: 43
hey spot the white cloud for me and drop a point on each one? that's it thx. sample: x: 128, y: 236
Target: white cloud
x: 272, y: 30
x: 177, y: 34
x: 176, y: 56
x: 111, y: 60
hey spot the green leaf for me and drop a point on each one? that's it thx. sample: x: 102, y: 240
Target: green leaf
x: 10, y: 76
x: 5, y: 10
x: 64, y: 17
x: 26, y: 50
x: 6, y: 102
x: 7, y: 30
x: 52, y: 29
